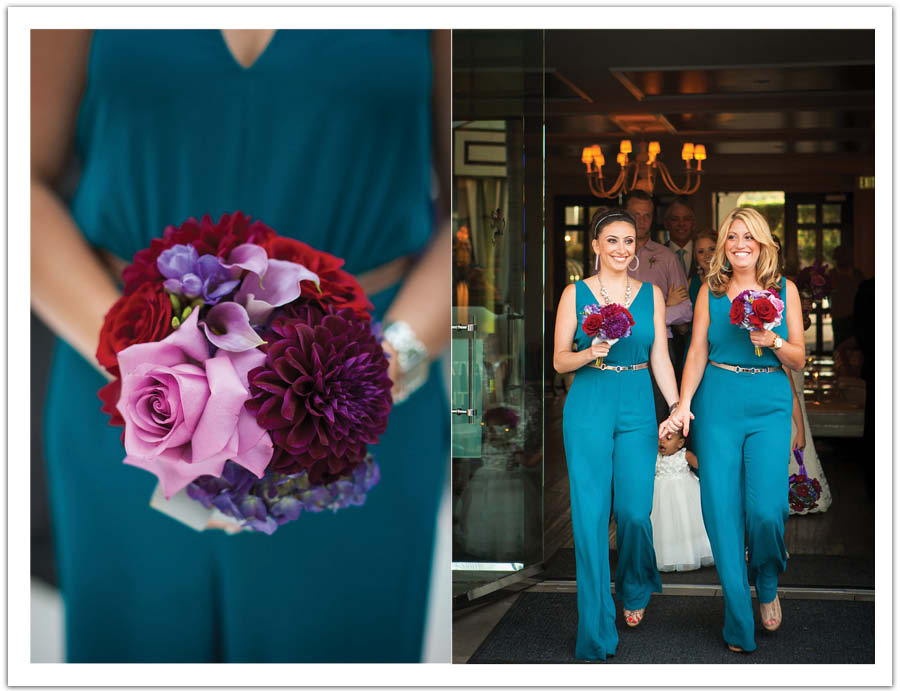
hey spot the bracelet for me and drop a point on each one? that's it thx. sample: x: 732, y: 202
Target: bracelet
x: 412, y: 359
x: 673, y: 406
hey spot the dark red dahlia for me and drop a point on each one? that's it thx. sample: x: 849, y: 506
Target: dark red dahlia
x: 323, y: 393
x: 338, y: 288
x: 206, y: 236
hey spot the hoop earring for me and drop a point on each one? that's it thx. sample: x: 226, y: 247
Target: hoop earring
x: 638, y: 264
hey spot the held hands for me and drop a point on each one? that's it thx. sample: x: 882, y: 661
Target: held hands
x: 679, y: 419
x: 763, y: 338
x: 677, y: 295
x: 600, y: 349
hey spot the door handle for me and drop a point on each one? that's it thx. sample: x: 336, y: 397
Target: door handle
x: 470, y: 330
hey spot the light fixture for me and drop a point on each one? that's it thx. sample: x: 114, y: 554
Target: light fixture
x: 640, y: 174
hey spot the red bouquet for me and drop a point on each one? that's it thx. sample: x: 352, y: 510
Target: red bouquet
x: 247, y: 373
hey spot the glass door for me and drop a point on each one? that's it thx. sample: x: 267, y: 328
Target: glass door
x: 498, y: 309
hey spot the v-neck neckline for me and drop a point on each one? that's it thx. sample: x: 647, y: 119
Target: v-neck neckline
x: 601, y: 301
x: 223, y: 42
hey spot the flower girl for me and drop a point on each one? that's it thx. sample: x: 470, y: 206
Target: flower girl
x: 679, y: 536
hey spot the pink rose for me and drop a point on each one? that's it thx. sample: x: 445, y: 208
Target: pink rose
x: 184, y: 411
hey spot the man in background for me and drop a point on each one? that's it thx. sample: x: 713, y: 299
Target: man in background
x: 845, y: 280
x: 681, y: 226
x: 679, y: 223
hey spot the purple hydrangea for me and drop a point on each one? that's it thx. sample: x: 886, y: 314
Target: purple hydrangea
x: 263, y: 505
x: 194, y: 276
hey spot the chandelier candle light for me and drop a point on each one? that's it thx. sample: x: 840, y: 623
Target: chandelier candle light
x: 641, y: 173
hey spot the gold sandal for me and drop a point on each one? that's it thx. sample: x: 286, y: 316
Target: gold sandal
x: 634, y: 617
x: 770, y: 613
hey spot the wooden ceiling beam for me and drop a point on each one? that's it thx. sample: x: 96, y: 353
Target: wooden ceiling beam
x: 721, y: 103
x: 702, y: 136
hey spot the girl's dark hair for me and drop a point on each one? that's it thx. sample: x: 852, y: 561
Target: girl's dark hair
x: 604, y: 216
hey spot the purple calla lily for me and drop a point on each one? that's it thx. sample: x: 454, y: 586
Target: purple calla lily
x: 248, y: 256
x: 279, y: 286
x: 227, y: 326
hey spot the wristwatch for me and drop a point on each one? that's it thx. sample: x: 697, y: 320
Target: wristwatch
x: 777, y: 344
x: 412, y: 358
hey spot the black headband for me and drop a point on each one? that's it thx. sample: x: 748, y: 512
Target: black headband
x: 614, y: 213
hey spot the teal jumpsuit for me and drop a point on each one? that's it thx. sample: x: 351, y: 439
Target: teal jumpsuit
x: 742, y: 433
x: 610, y: 436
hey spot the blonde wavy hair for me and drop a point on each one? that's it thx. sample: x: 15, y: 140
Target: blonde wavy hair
x: 767, y: 270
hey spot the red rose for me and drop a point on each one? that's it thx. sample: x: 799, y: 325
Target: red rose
x: 818, y: 280
x: 737, y: 312
x: 141, y: 317
x: 592, y: 324
x: 338, y: 287
x: 765, y: 310
x: 206, y: 237
x: 756, y: 322
x: 109, y: 394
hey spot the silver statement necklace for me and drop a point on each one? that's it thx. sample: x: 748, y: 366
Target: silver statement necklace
x: 606, y: 294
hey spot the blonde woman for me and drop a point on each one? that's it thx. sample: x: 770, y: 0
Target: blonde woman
x: 742, y: 405
x: 704, y: 249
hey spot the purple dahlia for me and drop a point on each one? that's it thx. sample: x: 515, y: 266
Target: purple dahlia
x: 323, y: 392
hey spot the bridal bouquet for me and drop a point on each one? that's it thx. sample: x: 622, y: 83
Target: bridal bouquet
x: 803, y: 491
x: 607, y: 323
x: 757, y: 309
x: 247, y: 372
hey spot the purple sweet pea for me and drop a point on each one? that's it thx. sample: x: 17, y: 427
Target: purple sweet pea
x: 192, y: 276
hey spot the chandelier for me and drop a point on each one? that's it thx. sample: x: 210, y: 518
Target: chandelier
x: 640, y: 174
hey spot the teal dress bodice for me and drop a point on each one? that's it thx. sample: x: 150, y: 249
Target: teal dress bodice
x: 626, y: 351
x: 327, y: 139
x: 730, y: 344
